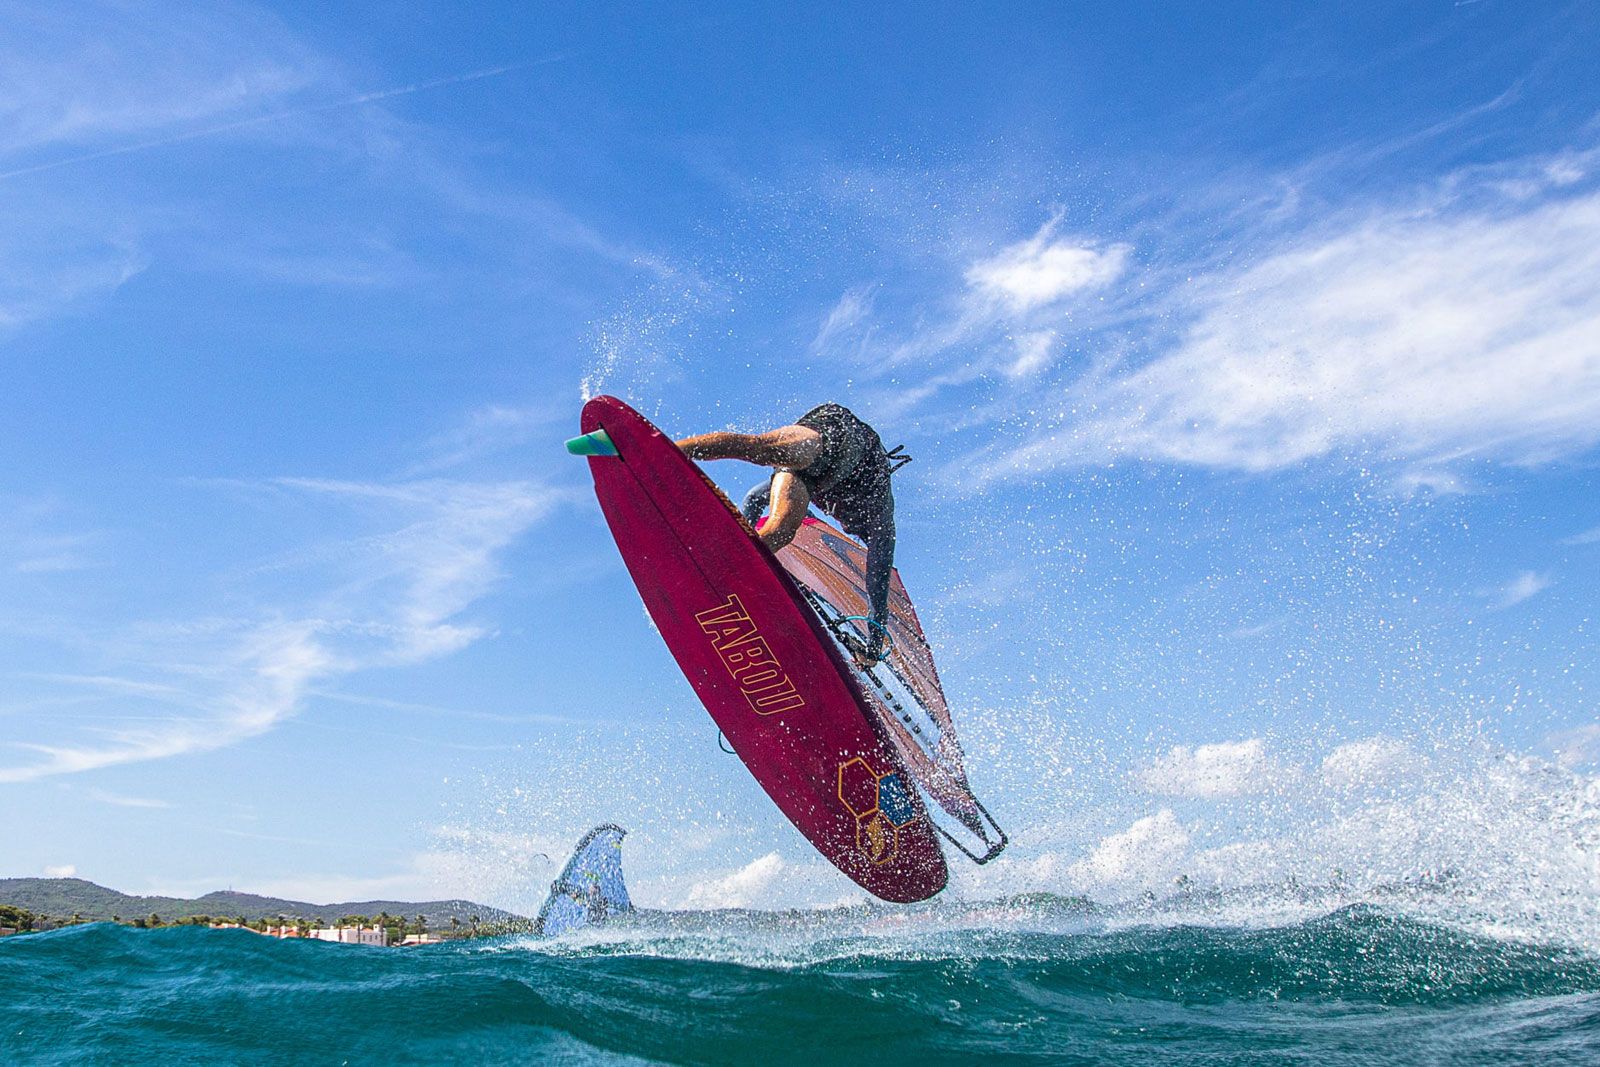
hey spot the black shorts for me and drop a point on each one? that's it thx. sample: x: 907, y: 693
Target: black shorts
x: 850, y: 479
x: 846, y: 440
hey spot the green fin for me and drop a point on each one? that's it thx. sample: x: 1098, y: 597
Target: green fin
x: 592, y: 444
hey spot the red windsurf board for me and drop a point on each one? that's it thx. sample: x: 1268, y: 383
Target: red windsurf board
x: 759, y: 660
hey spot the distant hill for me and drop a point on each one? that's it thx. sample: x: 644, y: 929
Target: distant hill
x: 64, y: 897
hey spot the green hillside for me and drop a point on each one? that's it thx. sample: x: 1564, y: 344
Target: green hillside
x: 65, y: 897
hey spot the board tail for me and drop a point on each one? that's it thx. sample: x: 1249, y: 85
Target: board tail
x: 597, y: 443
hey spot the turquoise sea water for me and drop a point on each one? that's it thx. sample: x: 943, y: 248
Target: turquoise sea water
x: 1359, y: 985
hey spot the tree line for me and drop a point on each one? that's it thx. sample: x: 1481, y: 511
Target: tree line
x: 398, y: 926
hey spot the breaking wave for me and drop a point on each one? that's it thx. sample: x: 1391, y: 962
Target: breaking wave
x: 1035, y: 979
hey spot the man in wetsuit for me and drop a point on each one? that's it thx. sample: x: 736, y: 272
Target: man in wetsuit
x: 832, y: 459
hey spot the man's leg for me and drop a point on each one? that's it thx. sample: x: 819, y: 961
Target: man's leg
x: 792, y: 447
x: 880, y: 565
x: 755, y: 501
x: 790, y: 501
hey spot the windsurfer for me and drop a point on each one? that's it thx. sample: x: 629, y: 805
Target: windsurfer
x: 830, y: 458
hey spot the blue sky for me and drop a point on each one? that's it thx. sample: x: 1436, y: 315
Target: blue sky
x: 1250, y: 358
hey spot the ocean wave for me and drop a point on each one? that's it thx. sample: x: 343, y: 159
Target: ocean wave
x: 1359, y: 984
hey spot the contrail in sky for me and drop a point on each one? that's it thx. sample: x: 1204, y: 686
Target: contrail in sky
x: 277, y: 116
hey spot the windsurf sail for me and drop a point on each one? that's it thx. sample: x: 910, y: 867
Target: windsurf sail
x: 590, y: 890
x: 904, y: 691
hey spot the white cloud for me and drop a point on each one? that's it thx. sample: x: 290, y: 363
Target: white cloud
x: 853, y: 308
x: 740, y: 889
x: 1044, y: 270
x: 1422, y: 336
x: 1437, y: 482
x: 425, y: 573
x: 256, y: 686
x: 81, y: 73
x: 1577, y: 747
x: 107, y: 682
x: 1144, y: 855
x: 1256, y: 629
x: 490, y: 429
x: 469, y: 873
x: 1005, y: 324
x: 1033, y: 353
x: 1588, y: 537
x: 1524, y: 586
x: 122, y: 801
x: 86, y: 86
x: 393, y: 598
x: 32, y: 540
x: 77, y: 78
x: 47, y: 264
x: 1369, y: 762
x: 1226, y: 769
x: 65, y: 870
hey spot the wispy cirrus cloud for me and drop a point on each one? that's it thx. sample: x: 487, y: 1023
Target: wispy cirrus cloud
x: 1525, y: 585
x: 1587, y: 537
x: 122, y: 800
x: 1465, y: 325
x: 82, y: 74
x: 225, y: 94
x: 34, y: 538
x: 485, y: 431
x: 845, y: 319
x: 397, y: 594
x: 81, y: 80
x: 1007, y: 319
x: 53, y: 257
x: 257, y: 120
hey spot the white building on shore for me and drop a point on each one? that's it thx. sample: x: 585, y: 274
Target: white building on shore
x: 421, y: 939
x: 352, y: 935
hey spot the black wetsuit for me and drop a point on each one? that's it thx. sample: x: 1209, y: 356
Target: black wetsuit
x: 849, y: 481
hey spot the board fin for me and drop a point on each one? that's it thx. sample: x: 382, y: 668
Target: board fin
x: 597, y: 443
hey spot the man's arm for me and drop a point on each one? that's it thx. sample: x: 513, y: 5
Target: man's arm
x: 787, y: 446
